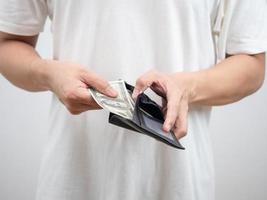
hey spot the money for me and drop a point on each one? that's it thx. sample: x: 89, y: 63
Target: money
x: 122, y: 105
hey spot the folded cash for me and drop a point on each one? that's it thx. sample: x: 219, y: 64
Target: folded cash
x: 122, y: 105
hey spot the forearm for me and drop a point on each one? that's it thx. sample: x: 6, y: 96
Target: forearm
x: 229, y: 81
x: 19, y: 63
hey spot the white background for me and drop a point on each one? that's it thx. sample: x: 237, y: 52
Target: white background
x: 239, y: 132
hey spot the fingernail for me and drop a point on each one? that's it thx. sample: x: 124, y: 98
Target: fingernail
x: 166, y: 128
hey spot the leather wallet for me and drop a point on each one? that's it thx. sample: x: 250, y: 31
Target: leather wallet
x: 147, y: 119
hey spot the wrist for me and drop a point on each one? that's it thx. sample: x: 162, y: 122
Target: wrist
x: 190, y: 81
x: 198, y: 80
x: 41, y: 73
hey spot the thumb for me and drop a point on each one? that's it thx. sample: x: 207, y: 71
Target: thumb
x: 100, y: 84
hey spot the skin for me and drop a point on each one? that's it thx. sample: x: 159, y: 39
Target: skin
x: 229, y: 81
x: 69, y: 81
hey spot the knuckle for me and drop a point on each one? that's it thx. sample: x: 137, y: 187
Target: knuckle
x: 70, y: 95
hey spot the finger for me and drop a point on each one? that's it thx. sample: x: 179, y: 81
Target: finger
x: 164, y: 111
x: 144, y: 82
x: 173, y: 100
x: 164, y: 103
x: 99, y: 84
x: 164, y: 107
x: 84, y: 97
x: 76, y: 109
x: 78, y: 95
x: 181, y: 124
x: 158, y: 89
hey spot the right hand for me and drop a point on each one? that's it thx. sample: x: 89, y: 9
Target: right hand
x: 70, y: 83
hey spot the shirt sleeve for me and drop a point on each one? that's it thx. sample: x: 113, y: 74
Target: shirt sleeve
x: 22, y: 17
x: 243, y: 27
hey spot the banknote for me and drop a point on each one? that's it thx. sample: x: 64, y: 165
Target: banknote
x: 122, y: 105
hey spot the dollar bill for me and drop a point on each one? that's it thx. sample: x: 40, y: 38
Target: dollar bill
x: 122, y: 105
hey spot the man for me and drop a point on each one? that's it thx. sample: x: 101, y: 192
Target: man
x: 168, y: 46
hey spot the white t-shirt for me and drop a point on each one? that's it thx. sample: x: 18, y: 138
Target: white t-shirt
x: 88, y: 158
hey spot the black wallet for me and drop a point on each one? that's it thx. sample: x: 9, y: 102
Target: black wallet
x: 147, y: 119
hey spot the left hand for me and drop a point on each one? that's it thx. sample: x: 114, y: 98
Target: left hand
x: 176, y: 90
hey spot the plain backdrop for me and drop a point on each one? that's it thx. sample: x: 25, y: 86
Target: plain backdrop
x: 239, y: 133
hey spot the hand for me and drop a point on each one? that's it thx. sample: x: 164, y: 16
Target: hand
x: 176, y: 90
x: 70, y: 82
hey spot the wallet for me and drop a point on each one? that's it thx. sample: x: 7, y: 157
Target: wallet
x: 147, y: 119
